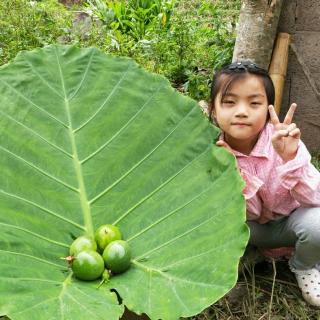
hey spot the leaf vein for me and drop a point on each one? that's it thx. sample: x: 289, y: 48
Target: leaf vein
x: 42, y: 79
x: 33, y: 258
x: 35, y: 305
x: 122, y: 129
x: 41, y: 208
x: 40, y: 170
x: 36, y: 134
x: 29, y: 279
x: 182, y: 234
x: 33, y: 104
x: 84, y: 76
x: 83, y: 307
x: 35, y: 234
x: 141, y: 161
x: 178, y: 297
x: 169, y: 214
x: 105, y: 101
x: 171, y: 277
x: 182, y: 261
x: 159, y: 187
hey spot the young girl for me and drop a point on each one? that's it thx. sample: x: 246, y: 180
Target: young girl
x: 282, y: 189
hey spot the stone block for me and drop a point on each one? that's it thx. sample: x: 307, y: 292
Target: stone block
x: 287, y: 21
x: 308, y: 15
x: 308, y: 45
x: 307, y: 115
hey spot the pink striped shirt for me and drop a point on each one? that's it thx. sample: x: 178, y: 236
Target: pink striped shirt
x: 274, y: 188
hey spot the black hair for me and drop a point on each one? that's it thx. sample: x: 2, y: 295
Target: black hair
x: 224, y: 78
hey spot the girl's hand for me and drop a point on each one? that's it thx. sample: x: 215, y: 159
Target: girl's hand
x: 286, y: 135
x: 223, y: 144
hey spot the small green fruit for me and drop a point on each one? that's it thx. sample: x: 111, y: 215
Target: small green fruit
x: 82, y: 243
x: 106, y: 234
x: 105, y: 278
x: 106, y: 275
x: 117, y: 256
x: 88, y: 265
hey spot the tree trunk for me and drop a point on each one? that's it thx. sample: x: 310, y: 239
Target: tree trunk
x: 257, y: 31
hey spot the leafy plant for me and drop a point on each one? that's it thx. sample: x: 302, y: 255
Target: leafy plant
x: 28, y: 24
x: 133, y: 17
x: 173, y: 38
x: 88, y: 139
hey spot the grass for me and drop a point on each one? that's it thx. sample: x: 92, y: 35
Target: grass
x: 316, y: 160
x: 264, y: 291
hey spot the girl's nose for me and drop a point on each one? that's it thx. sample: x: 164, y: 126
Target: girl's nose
x: 241, y: 110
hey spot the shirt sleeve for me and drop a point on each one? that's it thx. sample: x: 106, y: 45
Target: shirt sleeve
x: 301, y: 178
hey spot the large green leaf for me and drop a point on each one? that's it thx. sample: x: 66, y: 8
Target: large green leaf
x: 88, y: 139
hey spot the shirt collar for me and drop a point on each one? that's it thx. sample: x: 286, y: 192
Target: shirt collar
x: 261, y: 148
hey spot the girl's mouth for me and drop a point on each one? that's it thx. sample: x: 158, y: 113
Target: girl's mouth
x: 240, y: 124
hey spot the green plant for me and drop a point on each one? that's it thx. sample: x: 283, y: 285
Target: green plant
x: 316, y: 160
x: 28, y: 24
x: 87, y: 138
x: 134, y: 17
x: 200, y: 39
x: 173, y: 38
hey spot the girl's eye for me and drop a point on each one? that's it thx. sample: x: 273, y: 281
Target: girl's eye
x: 228, y: 102
x: 256, y: 103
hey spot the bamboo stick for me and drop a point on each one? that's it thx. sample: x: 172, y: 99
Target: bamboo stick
x: 278, y: 67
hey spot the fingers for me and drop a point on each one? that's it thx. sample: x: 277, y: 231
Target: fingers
x: 290, y: 131
x: 295, y: 133
x: 222, y: 143
x: 291, y: 127
x: 290, y: 113
x: 288, y: 118
x: 280, y: 134
x: 273, y: 115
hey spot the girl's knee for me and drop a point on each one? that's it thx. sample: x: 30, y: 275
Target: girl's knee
x: 308, y: 227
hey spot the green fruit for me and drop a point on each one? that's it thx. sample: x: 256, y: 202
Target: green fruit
x: 106, y: 275
x: 117, y: 256
x: 82, y: 243
x: 88, y: 265
x: 105, y: 278
x: 106, y: 234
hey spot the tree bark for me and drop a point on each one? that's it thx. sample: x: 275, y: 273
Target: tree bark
x: 257, y: 30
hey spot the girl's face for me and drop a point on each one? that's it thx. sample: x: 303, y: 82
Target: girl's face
x: 242, y: 113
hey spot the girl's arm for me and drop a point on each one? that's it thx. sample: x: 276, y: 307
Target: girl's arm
x: 297, y: 174
x: 301, y: 177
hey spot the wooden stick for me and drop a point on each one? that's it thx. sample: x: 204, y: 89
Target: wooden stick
x: 278, y: 67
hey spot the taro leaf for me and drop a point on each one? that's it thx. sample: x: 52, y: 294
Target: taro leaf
x: 88, y: 139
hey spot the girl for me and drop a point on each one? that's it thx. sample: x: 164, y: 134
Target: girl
x: 282, y: 189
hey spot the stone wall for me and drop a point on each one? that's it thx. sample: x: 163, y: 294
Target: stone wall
x: 301, y: 19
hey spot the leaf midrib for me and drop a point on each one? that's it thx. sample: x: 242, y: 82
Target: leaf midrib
x: 85, y: 205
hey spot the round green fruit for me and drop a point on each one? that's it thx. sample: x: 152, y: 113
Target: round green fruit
x: 88, y: 265
x: 117, y: 256
x: 82, y: 243
x: 106, y: 234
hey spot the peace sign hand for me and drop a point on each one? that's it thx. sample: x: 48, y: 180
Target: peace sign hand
x: 286, y: 135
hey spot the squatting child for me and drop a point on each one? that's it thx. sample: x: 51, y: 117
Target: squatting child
x: 282, y: 189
